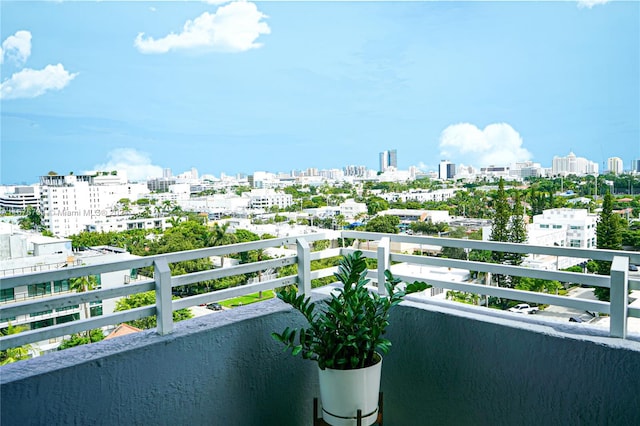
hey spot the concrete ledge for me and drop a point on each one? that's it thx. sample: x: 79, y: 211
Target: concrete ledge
x: 446, y: 367
x: 457, y: 367
x: 219, y: 369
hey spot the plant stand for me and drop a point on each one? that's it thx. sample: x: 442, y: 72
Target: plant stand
x: 318, y: 421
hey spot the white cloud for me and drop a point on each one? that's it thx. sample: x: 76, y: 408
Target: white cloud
x: 17, y: 47
x: 590, y: 3
x: 232, y: 28
x: 29, y: 83
x: 136, y: 164
x: 498, y: 144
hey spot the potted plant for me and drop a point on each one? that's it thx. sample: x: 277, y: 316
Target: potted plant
x: 345, y: 338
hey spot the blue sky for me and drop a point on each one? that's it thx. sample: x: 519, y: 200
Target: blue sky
x: 274, y: 86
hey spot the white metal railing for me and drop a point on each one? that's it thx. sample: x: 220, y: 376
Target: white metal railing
x: 163, y: 283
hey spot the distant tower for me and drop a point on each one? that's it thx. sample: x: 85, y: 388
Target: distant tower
x: 446, y: 170
x: 393, y: 159
x: 166, y: 173
x: 614, y: 165
x: 388, y: 159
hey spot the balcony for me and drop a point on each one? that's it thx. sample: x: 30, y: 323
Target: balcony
x: 451, y: 364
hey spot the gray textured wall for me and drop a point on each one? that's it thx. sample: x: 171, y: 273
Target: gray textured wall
x: 445, y: 368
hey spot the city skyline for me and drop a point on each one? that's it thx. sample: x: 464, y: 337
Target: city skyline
x: 98, y: 85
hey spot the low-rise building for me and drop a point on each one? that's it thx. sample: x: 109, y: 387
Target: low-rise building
x: 267, y: 198
x: 28, y: 252
x: 21, y: 198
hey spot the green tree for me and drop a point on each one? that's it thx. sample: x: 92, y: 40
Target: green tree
x: 609, y: 236
x: 220, y: 237
x: 94, y: 335
x: 82, y: 284
x: 376, y: 204
x: 517, y: 230
x: 146, y: 299
x: 500, y: 225
x: 14, y: 354
x: 386, y: 224
x: 31, y: 220
x: 245, y: 236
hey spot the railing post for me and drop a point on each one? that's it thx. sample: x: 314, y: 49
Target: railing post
x: 619, y: 296
x: 164, y: 310
x: 304, y: 266
x: 383, y: 263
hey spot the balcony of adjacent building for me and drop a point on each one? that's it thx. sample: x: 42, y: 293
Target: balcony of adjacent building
x: 450, y: 364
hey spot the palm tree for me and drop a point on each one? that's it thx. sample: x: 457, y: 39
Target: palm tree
x: 82, y: 284
x: 174, y: 221
x: 219, y: 237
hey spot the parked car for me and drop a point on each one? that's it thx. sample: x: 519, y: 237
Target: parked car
x: 524, y: 308
x: 587, y: 317
x: 214, y: 306
x: 633, y: 268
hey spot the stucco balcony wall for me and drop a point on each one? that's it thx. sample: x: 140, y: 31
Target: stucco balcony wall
x: 447, y: 367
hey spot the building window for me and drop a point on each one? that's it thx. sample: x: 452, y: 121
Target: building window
x: 544, y: 226
x: 96, y: 311
x: 35, y: 290
x: 67, y: 318
x: 36, y: 314
x: 557, y: 226
x: 574, y: 243
x: 7, y: 294
x: 60, y: 286
x: 67, y: 308
x: 42, y: 323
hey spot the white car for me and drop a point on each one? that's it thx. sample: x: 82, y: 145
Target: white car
x: 524, y: 308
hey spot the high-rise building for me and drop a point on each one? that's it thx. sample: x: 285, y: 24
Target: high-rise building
x: 388, y: 159
x: 70, y: 203
x: 359, y: 171
x: 635, y: 166
x: 446, y: 170
x: 572, y: 165
x: 615, y: 165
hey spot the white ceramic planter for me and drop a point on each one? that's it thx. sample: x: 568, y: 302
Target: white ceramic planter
x: 343, y: 392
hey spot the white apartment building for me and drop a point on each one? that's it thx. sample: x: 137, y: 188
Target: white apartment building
x: 217, y: 203
x: 564, y: 228
x: 494, y: 172
x: 20, y: 198
x: 24, y: 252
x: 560, y: 228
x: 465, y: 172
x: 350, y: 209
x: 119, y: 223
x: 615, y: 165
x: 422, y: 195
x: 407, y: 216
x: 267, y: 198
x: 526, y: 169
x: 572, y: 165
x: 262, y: 180
x: 332, y: 174
x: 70, y: 203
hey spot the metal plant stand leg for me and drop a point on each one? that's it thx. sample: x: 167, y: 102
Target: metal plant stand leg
x: 318, y: 421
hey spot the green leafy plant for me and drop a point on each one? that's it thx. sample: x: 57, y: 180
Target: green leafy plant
x: 346, y: 330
